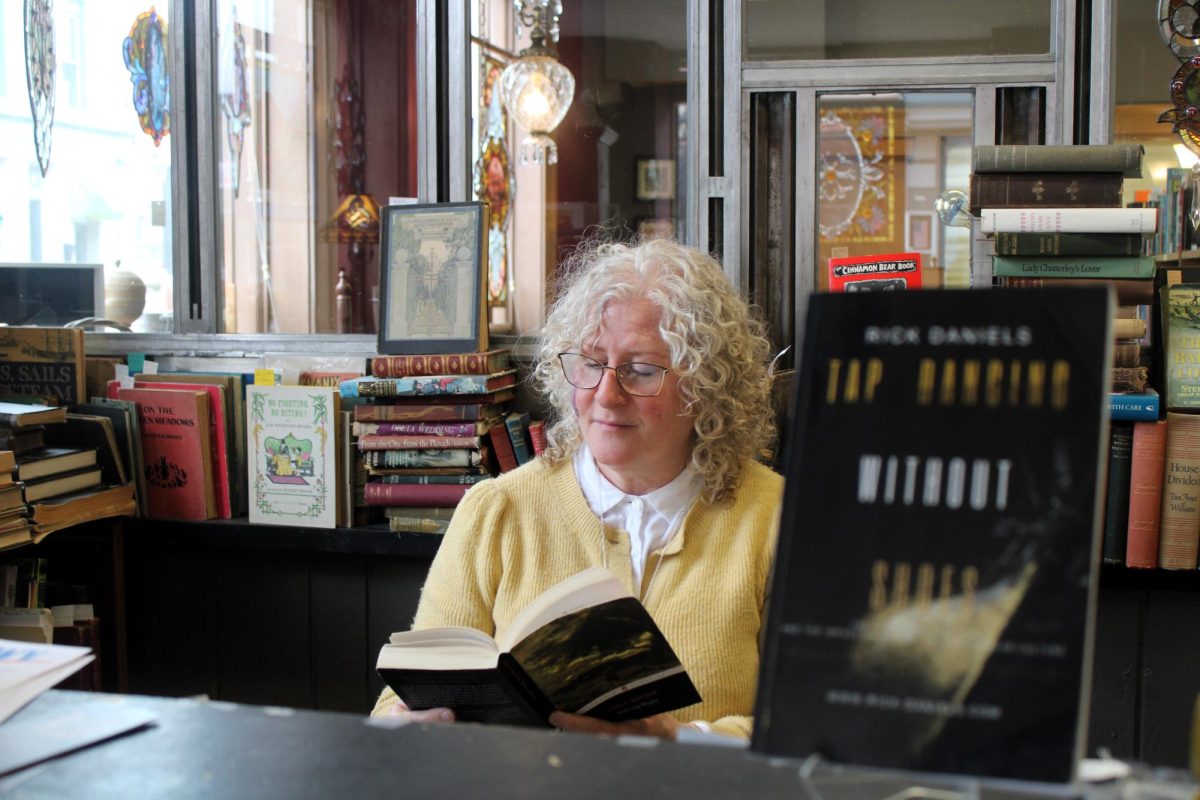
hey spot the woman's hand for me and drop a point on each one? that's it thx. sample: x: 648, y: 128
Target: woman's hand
x: 428, y: 715
x: 663, y: 726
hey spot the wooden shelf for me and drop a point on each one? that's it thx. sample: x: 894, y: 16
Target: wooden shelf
x: 1113, y: 576
x: 1174, y: 258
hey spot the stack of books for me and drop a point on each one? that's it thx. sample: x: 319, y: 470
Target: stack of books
x: 1056, y: 215
x: 435, y: 425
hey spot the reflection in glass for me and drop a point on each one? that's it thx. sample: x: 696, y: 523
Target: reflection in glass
x: 882, y: 160
x: 833, y: 29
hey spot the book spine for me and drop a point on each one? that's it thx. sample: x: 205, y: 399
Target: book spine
x: 506, y: 459
x: 328, y: 379
x: 1145, y: 493
x: 416, y: 428
x: 1051, y: 189
x: 1069, y: 244
x: 1079, y: 267
x: 1127, y: 354
x: 1134, y: 407
x: 1116, y: 507
x: 1126, y: 159
x: 1071, y: 220
x: 1179, y: 528
x: 398, y: 494
x: 1130, y: 379
x: 438, y: 412
x: 417, y: 525
x: 516, y: 434
x: 405, y: 442
x: 406, y: 366
x: 1128, y: 328
x: 437, y: 479
x: 422, y: 458
x: 1130, y: 292
x: 537, y: 436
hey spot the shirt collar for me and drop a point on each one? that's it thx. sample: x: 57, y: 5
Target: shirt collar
x: 603, y: 497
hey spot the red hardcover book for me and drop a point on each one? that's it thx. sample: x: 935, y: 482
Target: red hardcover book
x: 875, y: 273
x: 441, y: 495
x: 506, y: 458
x: 384, y: 441
x: 1145, y: 493
x: 177, y: 451
x: 537, y: 436
x: 483, y: 363
x: 442, y: 411
x: 219, y: 438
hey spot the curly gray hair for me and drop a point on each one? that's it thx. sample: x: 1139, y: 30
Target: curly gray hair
x: 717, y: 345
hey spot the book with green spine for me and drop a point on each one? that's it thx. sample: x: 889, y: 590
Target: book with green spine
x: 1069, y: 244
x: 1073, y: 266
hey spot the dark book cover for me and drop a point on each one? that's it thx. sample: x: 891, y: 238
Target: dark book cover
x: 45, y: 363
x: 1116, y: 504
x: 938, y: 556
x: 1069, y: 244
x: 1123, y: 158
x: 1050, y: 189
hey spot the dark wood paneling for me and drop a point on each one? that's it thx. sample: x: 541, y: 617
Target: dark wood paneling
x: 341, y: 657
x: 1113, y: 716
x: 1170, y: 676
x: 264, y: 628
x: 393, y: 589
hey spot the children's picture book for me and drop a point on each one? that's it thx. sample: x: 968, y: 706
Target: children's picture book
x: 887, y: 272
x: 292, y: 452
x: 585, y: 645
x: 176, y: 452
x: 935, y: 581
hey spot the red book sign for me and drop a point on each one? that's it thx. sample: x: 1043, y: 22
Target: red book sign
x: 887, y: 272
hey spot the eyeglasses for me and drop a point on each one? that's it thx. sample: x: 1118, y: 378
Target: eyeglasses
x: 636, y: 377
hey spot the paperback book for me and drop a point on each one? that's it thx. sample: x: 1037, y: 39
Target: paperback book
x: 584, y: 646
x: 293, y: 456
x: 942, y: 621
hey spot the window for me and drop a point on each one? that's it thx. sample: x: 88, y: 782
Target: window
x: 105, y: 191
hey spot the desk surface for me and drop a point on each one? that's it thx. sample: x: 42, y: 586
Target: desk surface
x: 224, y: 750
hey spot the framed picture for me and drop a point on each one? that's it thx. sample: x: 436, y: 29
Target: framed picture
x: 433, y: 279
x: 918, y: 231
x: 655, y: 179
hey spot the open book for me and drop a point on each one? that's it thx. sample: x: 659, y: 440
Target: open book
x: 584, y: 645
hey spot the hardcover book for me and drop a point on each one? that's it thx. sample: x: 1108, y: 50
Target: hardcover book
x: 1068, y: 220
x: 1179, y: 524
x: 584, y: 646
x: 885, y: 272
x: 1137, y: 407
x: 1069, y: 244
x: 1180, y: 309
x: 1074, y: 266
x: 1061, y: 189
x: 293, y: 456
x: 378, y: 493
x: 176, y: 452
x: 423, y: 458
x: 45, y: 363
x: 1145, y: 494
x: 937, y: 566
x: 1123, y: 158
x: 436, y: 412
x: 21, y: 415
x: 428, y: 385
x: 404, y: 366
x: 1116, y: 506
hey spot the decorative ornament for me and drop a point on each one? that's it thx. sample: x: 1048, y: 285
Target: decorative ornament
x: 494, y: 182
x: 1179, y: 26
x: 235, y: 99
x: 40, y: 66
x: 145, y: 52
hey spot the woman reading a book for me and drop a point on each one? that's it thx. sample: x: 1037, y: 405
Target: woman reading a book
x: 658, y: 375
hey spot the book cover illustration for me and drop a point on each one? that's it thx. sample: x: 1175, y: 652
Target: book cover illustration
x: 292, y: 453
x: 935, y: 581
x: 886, y: 272
x: 176, y: 452
x: 1180, y: 306
x: 43, y: 362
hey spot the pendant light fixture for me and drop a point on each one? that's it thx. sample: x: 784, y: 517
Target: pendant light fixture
x: 537, y: 90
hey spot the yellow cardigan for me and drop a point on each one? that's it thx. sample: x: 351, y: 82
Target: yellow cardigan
x: 516, y: 536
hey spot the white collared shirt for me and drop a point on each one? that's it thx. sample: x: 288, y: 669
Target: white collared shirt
x: 649, y: 519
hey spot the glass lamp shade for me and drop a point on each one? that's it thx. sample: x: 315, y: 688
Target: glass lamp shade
x: 952, y: 206
x: 537, y: 91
